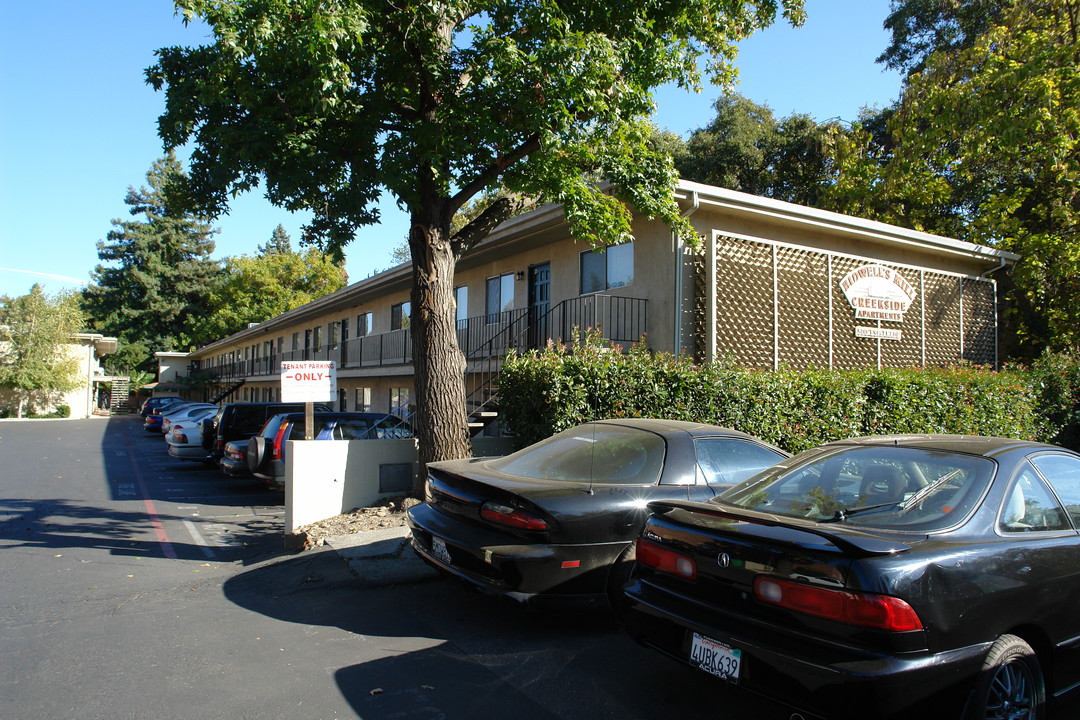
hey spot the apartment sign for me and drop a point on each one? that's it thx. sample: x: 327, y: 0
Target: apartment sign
x: 877, y: 292
x: 308, y: 381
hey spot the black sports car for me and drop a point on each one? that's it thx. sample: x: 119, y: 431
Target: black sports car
x: 557, y: 520
x: 933, y: 576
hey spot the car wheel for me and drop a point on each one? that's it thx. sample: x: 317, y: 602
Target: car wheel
x: 1010, y: 685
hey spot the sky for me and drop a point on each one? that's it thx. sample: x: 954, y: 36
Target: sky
x: 78, y: 124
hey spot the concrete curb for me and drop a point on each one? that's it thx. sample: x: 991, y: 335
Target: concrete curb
x: 382, y: 557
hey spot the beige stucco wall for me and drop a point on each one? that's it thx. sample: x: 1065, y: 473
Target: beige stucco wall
x: 662, y: 275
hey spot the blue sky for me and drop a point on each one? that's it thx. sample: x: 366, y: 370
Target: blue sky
x: 78, y: 122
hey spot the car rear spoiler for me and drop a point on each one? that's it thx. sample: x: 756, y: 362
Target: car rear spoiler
x: 851, y: 542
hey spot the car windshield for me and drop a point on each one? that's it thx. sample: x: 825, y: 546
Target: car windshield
x: 590, y: 453
x: 883, y: 487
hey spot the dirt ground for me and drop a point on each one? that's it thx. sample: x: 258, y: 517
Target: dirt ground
x: 389, y: 512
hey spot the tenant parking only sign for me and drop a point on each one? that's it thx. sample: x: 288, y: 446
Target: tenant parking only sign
x: 308, y: 381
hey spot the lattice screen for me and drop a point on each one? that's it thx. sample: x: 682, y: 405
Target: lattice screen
x: 744, y: 302
x: 803, y: 297
x: 980, y: 326
x: 774, y: 306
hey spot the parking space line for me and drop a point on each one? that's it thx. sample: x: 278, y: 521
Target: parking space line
x: 151, y: 511
x: 198, y: 538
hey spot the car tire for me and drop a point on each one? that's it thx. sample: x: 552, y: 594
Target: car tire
x: 256, y: 453
x: 1010, y: 680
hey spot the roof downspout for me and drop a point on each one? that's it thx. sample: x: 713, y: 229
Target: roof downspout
x: 680, y: 255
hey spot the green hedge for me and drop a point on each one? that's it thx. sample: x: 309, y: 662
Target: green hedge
x: 547, y: 391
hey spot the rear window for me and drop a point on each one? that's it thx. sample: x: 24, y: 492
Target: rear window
x: 591, y: 453
x: 881, y: 487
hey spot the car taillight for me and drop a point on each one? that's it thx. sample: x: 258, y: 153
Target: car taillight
x: 512, y: 516
x: 279, y: 438
x: 882, y: 612
x: 661, y: 558
x: 178, y: 434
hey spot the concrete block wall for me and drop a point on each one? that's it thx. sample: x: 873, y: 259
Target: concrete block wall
x: 324, y: 479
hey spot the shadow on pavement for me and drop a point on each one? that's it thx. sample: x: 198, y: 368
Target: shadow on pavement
x: 435, y: 650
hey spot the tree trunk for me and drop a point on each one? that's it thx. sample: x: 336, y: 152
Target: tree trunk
x: 441, y: 422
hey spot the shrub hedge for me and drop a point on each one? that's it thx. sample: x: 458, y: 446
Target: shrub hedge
x: 543, y: 392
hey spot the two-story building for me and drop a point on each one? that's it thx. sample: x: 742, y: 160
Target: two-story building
x: 773, y: 284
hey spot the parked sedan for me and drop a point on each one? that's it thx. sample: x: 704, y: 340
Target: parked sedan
x: 157, y: 402
x: 266, y: 451
x: 904, y: 575
x: 556, y: 520
x: 185, y: 438
x: 183, y: 411
x: 233, y: 460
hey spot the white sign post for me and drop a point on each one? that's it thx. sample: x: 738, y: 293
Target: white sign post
x: 308, y: 381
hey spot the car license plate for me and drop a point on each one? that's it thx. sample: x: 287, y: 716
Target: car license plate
x: 715, y: 657
x: 438, y: 549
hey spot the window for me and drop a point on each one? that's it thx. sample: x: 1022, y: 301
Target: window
x: 296, y: 341
x: 461, y: 301
x: 590, y: 453
x: 612, y: 267
x: 399, y: 316
x: 363, y: 324
x: 318, y: 338
x: 500, y: 296
x: 1030, y: 506
x: 363, y: 400
x: 400, y: 398
x: 724, y: 461
x: 332, y: 336
x: 307, y: 344
x: 1063, y: 474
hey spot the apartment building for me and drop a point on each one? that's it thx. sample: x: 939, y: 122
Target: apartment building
x: 772, y: 284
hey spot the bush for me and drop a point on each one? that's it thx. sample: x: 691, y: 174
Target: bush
x: 544, y: 392
x: 1056, y: 385
x: 63, y: 411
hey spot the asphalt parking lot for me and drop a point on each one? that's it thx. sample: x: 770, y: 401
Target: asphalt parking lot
x: 138, y: 586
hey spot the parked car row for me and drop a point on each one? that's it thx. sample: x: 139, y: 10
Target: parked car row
x: 872, y: 577
x: 250, y: 438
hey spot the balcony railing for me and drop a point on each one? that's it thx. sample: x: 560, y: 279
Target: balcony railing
x: 621, y: 320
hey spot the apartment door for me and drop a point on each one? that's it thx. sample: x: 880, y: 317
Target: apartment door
x: 539, y: 304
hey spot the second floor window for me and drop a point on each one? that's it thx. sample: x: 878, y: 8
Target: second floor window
x: 461, y: 301
x: 399, y: 316
x: 363, y: 324
x: 500, y: 296
x: 612, y: 267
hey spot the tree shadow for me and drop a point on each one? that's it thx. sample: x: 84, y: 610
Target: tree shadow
x: 61, y: 524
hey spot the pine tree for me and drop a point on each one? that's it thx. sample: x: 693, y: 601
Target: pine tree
x: 153, y: 287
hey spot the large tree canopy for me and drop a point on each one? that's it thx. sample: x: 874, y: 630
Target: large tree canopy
x: 920, y: 28
x: 745, y: 147
x: 986, y: 147
x: 257, y: 288
x: 35, y: 332
x: 153, y: 287
x: 331, y: 103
